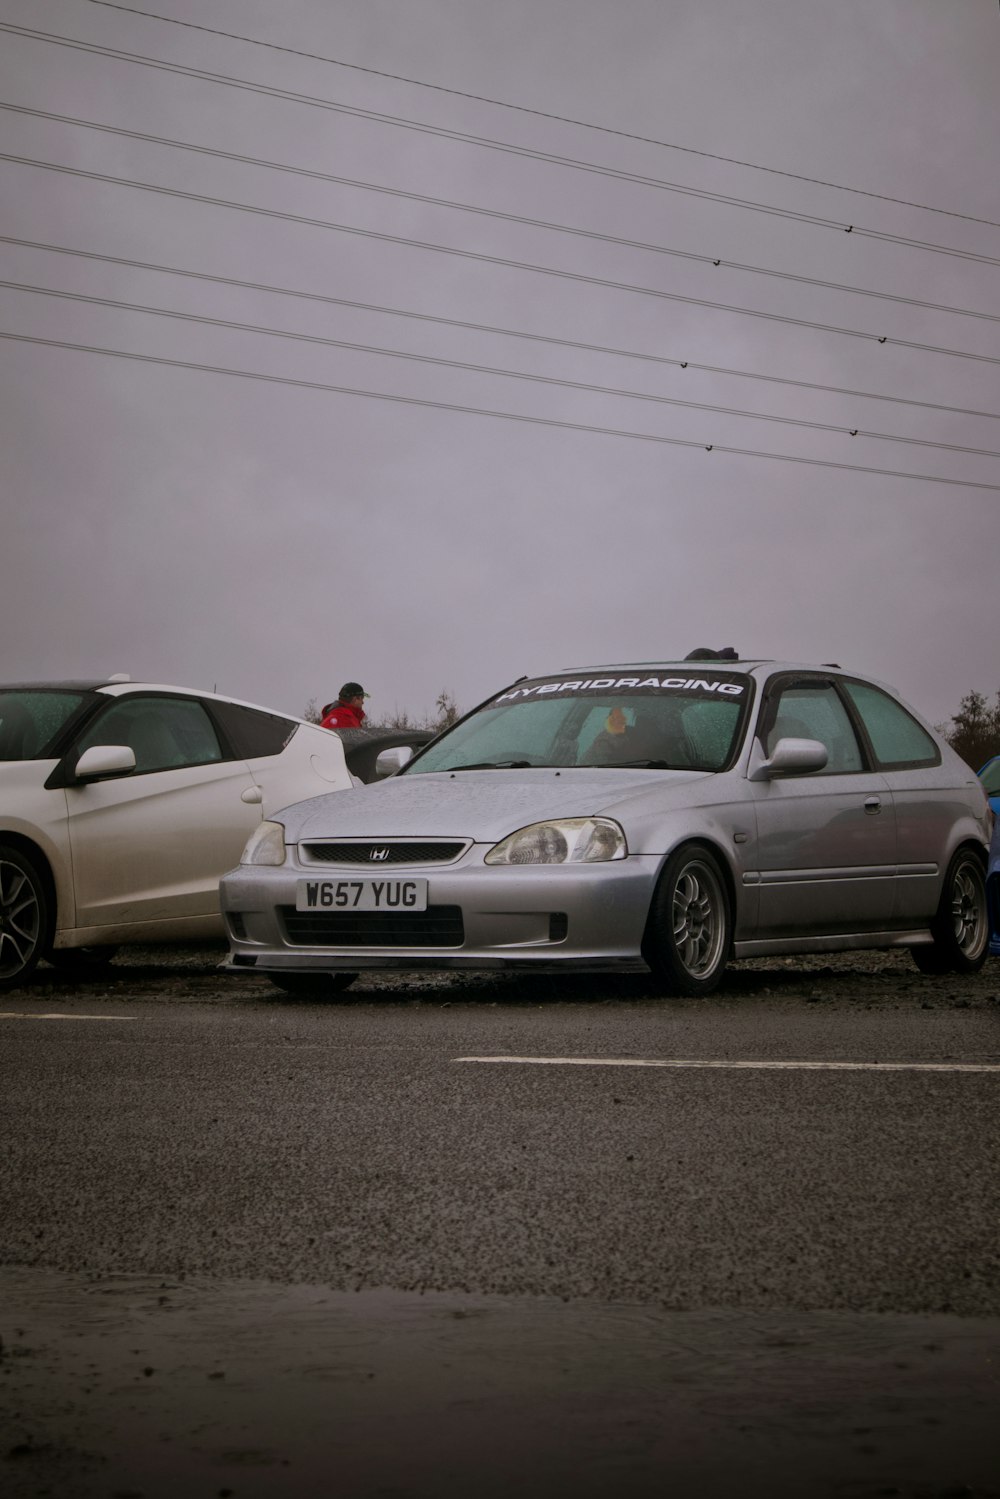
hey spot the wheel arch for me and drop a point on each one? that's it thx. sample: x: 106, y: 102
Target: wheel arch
x: 38, y: 857
x: 707, y: 845
x: 711, y: 846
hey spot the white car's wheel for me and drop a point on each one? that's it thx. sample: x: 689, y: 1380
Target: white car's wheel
x: 689, y: 932
x: 24, y: 915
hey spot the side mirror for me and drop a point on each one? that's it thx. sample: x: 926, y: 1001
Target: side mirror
x: 391, y: 760
x: 792, y: 757
x: 104, y: 762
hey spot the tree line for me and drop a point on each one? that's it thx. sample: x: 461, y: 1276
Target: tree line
x: 974, y: 731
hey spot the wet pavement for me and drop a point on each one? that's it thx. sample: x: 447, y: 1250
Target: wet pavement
x: 252, y: 1248
x: 134, y: 1388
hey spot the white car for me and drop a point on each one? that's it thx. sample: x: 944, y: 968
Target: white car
x: 121, y: 805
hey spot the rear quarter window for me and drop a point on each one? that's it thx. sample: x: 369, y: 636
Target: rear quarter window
x: 252, y: 732
x: 899, y: 742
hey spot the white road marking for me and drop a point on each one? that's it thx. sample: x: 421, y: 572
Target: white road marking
x: 740, y: 1065
x: 54, y: 1015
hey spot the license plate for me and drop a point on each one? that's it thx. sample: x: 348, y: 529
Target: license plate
x: 361, y: 895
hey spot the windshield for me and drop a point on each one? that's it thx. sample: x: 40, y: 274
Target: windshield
x: 660, y: 722
x: 31, y: 718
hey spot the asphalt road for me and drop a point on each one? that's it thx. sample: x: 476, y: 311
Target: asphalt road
x: 479, y: 1234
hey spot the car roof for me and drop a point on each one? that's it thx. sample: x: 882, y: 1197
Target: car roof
x: 118, y: 686
x: 89, y: 685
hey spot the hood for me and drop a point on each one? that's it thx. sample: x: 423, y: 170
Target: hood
x: 484, y: 805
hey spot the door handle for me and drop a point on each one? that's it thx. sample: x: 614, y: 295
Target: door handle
x: 253, y: 796
x: 873, y: 805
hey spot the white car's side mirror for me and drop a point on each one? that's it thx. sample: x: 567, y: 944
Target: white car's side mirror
x: 391, y: 760
x: 103, y: 762
x: 791, y: 757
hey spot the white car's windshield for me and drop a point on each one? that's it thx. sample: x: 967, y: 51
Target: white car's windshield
x: 663, y: 721
x: 31, y: 718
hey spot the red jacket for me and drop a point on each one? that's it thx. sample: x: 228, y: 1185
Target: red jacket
x: 343, y: 716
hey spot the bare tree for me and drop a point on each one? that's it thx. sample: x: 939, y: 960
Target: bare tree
x: 447, y: 710
x: 974, y: 731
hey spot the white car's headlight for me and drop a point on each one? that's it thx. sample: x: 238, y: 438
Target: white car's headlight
x: 569, y: 840
x: 266, y: 845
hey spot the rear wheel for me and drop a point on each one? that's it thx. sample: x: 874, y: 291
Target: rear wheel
x: 313, y: 985
x: 689, y: 931
x: 24, y: 915
x: 961, y: 927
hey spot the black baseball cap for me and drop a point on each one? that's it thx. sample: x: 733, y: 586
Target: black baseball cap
x: 352, y: 689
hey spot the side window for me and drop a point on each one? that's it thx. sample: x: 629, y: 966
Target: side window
x: 898, y: 740
x: 164, y: 733
x: 252, y: 732
x: 814, y: 711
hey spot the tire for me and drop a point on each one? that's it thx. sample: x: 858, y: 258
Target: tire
x: 25, y: 918
x: 81, y: 959
x: 690, y: 926
x: 313, y: 985
x: 961, y: 928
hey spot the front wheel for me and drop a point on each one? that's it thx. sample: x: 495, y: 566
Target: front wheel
x: 961, y: 928
x: 689, y: 930
x: 313, y: 985
x: 24, y: 916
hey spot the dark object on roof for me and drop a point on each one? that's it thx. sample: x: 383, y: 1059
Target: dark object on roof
x: 703, y: 653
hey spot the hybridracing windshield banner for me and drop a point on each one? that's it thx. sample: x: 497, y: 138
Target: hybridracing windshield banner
x: 711, y: 685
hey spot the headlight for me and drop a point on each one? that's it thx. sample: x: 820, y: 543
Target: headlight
x: 266, y: 845
x: 571, y: 840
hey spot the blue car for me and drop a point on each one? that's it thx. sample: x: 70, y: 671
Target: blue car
x: 993, y: 890
x: 989, y: 774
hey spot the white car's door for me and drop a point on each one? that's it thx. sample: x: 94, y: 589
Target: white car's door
x: 152, y: 846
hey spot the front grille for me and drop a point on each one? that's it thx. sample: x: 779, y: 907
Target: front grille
x: 438, y: 926
x: 389, y: 851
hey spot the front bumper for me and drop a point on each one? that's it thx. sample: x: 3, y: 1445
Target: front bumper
x: 579, y: 916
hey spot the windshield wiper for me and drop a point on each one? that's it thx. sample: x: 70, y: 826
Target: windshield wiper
x: 494, y: 765
x: 639, y: 765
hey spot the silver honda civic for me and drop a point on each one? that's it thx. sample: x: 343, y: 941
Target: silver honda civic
x: 662, y: 817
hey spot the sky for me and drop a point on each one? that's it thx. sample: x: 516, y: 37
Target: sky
x: 519, y: 427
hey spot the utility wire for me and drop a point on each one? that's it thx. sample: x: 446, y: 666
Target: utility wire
x: 492, y: 144
x: 510, y: 416
x: 543, y: 114
x: 482, y: 258
x: 487, y: 369
x: 495, y: 213
x: 543, y: 338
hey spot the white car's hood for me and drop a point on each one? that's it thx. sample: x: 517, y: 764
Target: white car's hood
x: 484, y: 805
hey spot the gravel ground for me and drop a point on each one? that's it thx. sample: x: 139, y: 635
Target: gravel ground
x: 186, y: 973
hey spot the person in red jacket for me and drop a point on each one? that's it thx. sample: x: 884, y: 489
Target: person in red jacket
x: 348, y: 711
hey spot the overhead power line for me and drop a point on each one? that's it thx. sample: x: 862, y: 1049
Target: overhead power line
x: 510, y: 416
x: 493, y: 144
x: 486, y: 369
x: 495, y: 213
x: 484, y: 259
x: 543, y: 338
x: 543, y: 114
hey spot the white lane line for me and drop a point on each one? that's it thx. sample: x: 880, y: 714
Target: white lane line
x: 54, y: 1015
x: 737, y: 1066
